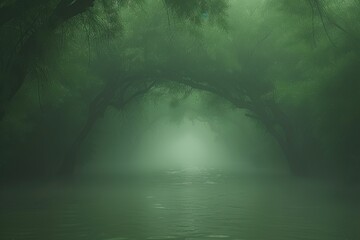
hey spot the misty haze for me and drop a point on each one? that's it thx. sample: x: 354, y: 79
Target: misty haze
x: 179, y: 119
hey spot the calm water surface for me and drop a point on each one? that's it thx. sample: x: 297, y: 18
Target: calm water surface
x: 181, y: 205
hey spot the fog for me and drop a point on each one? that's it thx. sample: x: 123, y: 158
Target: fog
x: 185, y: 137
x: 179, y: 119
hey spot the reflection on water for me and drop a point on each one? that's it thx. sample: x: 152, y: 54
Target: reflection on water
x: 181, y: 205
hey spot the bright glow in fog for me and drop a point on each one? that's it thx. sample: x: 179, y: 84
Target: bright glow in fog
x: 189, y: 151
x: 190, y: 146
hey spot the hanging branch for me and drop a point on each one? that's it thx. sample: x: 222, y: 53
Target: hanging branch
x: 34, y: 44
x: 313, y: 12
x: 321, y: 11
x: 318, y: 7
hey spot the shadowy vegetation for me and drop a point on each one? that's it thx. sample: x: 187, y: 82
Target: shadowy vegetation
x: 292, y: 65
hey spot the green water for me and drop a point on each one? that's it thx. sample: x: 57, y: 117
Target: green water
x: 181, y: 205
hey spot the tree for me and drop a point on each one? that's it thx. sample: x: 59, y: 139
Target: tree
x: 261, y: 59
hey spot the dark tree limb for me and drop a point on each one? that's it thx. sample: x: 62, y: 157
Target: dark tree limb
x: 34, y: 45
x: 277, y: 124
x: 268, y: 113
x: 97, y: 109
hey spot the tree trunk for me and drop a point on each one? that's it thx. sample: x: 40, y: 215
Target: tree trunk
x: 287, y: 142
x: 68, y: 166
x: 34, y: 45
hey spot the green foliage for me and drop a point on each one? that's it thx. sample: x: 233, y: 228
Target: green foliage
x: 199, y: 11
x: 300, y: 55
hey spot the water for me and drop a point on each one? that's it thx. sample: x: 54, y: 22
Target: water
x: 181, y: 205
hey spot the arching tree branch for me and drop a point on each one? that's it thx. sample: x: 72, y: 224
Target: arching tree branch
x: 34, y: 45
